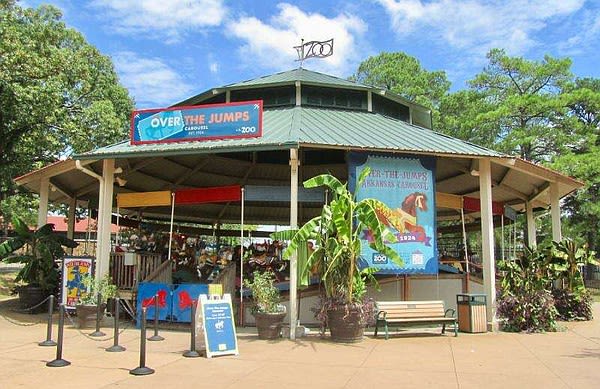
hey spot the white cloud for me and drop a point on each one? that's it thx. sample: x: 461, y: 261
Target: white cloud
x: 475, y: 26
x: 586, y: 37
x: 214, y: 67
x: 159, y: 18
x: 150, y: 81
x: 271, y: 43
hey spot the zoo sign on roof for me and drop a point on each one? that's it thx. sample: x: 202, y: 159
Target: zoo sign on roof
x: 197, y: 123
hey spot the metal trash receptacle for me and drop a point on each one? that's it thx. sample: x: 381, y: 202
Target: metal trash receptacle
x: 472, y: 313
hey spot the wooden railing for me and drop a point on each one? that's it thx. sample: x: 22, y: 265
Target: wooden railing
x: 227, y: 278
x: 162, y: 274
x: 127, y: 277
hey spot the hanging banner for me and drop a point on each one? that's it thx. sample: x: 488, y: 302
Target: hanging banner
x: 197, y: 123
x: 214, y: 324
x: 407, y: 186
x: 74, y: 268
x: 218, y: 194
x: 147, y: 294
x: 472, y: 204
x: 184, y: 295
x: 144, y: 199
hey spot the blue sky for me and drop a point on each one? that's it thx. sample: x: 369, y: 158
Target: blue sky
x: 167, y: 50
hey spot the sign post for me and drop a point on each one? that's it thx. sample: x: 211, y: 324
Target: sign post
x: 215, y: 330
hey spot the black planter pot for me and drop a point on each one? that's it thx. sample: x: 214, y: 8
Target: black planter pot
x: 269, y: 325
x: 30, y: 296
x: 86, y: 314
x: 345, y: 324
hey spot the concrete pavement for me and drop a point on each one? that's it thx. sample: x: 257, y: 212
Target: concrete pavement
x: 567, y: 359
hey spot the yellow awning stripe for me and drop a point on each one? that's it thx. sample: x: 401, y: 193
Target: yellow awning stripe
x: 144, y: 199
x: 447, y: 200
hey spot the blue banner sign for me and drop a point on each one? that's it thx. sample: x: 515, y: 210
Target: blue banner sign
x: 407, y: 187
x: 184, y: 295
x: 197, y: 123
x: 216, y: 316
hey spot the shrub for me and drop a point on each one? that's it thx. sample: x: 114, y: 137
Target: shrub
x: 531, y: 311
x: 573, y: 305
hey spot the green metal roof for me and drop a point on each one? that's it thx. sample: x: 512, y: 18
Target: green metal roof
x: 302, y: 75
x: 289, y: 127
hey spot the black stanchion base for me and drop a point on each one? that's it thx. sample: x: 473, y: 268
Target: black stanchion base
x: 141, y: 370
x: 115, y: 349
x: 156, y: 338
x: 58, y: 363
x: 47, y: 343
x: 97, y: 334
x: 191, y: 354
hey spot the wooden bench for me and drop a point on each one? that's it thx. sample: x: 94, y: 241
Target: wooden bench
x: 414, y: 313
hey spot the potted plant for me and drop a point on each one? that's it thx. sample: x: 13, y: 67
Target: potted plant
x: 87, y: 305
x: 40, y: 272
x: 337, y: 234
x: 267, y: 310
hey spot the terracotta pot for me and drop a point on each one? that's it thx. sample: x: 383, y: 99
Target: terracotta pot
x: 86, y: 314
x: 269, y: 324
x: 345, y: 324
x: 30, y: 296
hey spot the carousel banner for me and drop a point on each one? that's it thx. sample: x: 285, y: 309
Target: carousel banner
x: 407, y: 186
x: 197, y: 123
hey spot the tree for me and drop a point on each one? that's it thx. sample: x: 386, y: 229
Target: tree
x: 523, y: 99
x: 403, y: 74
x: 581, y: 157
x: 58, y: 94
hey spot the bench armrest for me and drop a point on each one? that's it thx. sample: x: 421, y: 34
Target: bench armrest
x: 381, y: 315
x: 451, y: 310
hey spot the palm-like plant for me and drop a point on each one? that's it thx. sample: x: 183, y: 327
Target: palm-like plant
x: 44, y: 248
x: 337, y: 233
x: 569, y: 258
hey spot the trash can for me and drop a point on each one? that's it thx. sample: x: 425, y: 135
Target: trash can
x: 472, y: 313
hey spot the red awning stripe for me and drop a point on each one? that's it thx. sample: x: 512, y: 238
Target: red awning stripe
x: 219, y: 194
x: 472, y: 204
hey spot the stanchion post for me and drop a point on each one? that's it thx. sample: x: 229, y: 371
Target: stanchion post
x: 142, y: 369
x: 99, y: 314
x: 59, y: 361
x: 49, y: 341
x: 156, y: 337
x: 115, y: 348
x: 192, y: 353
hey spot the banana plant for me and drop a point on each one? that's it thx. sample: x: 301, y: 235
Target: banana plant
x: 43, y: 248
x: 570, y: 257
x: 337, y: 233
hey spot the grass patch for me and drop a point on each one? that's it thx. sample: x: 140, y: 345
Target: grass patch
x: 7, y: 283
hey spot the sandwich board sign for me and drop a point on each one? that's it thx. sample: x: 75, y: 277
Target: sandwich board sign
x: 215, y: 331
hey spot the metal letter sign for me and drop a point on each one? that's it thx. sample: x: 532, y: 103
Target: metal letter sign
x: 197, y: 123
x: 407, y: 187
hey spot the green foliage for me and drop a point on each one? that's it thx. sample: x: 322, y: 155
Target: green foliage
x: 44, y: 247
x: 58, y: 94
x: 94, y: 287
x: 337, y: 234
x: 573, y: 306
x: 532, y: 311
x: 403, y: 74
x: 569, y: 257
x: 264, y: 293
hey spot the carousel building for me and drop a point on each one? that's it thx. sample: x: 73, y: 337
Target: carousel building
x: 307, y: 123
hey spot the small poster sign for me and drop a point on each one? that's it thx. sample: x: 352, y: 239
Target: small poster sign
x: 74, y: 268
x: 215, y: 330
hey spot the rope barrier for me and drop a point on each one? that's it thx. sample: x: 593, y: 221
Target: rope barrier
x: 68, y: 315
x: 24, y: 310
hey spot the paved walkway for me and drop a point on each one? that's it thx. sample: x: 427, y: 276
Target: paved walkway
x: 568, y: 359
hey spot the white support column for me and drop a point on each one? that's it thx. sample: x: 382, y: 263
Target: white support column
x: 531, y: 231
x: 43, y: 208
x: 555, y: 212
x: 298, y: 94
x: 294, y: 225
x: 487, y: 241
x: 71, y: 220
x: 104, y: 218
